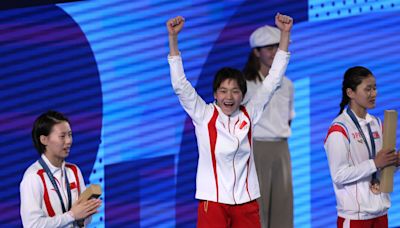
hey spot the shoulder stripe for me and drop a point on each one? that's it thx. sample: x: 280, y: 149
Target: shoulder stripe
x: 338, y: 127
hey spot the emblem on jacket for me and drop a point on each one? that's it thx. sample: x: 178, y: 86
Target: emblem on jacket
x: 243, y: 124
x: 376, y: 135
x: 357, y: 136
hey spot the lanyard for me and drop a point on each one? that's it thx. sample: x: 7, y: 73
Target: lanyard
x: 50, y: 175
x: 371, y: 152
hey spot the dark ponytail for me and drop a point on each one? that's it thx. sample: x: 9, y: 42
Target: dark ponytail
x: 345, y: 101
x: 252, y: 67
x: 352, y: 78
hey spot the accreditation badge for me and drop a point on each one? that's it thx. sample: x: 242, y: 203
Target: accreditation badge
x: 374, y: 186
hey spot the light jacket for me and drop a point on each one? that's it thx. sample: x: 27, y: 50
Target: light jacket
x: 226, y: 171
x: 351, y: 168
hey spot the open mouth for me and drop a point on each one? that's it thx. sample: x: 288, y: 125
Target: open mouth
x: 229, y: 103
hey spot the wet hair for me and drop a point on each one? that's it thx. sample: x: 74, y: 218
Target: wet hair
x: 43, y: 126
x: 352, y: 78
x: 230, y: 73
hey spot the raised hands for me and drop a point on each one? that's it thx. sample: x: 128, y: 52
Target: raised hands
x: 283, y: 22
x: 175, y: 25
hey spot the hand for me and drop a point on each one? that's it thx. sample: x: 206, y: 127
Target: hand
x: 386, y: 157
x: 82, y: 210
x: 283, y: 22
x: 175, y: 25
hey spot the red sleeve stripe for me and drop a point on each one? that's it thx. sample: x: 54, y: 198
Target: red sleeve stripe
x: 212, y: 131
x: 46, y: 197
x: 337, y: 128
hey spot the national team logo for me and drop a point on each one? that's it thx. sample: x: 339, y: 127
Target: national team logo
x: 357, y: 136
x: 244, y: 123
x: 376, y: 135
x: 72, y: 185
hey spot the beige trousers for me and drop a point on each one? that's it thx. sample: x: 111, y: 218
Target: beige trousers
x: 274, y: 171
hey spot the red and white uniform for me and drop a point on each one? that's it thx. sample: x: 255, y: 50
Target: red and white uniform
x: 351, y: 169
x: 226, y: 172
x: 40, y: 204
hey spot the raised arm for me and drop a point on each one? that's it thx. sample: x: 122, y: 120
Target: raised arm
x: 270, y: 84
x: 194, y: 106
x: 285, y: 24
x: 174, y: 26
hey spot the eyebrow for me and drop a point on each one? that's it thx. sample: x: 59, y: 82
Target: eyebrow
x: 228, y: 89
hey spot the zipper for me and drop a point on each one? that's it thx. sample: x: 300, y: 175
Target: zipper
x: 229, y: 124
x: 234, y: 170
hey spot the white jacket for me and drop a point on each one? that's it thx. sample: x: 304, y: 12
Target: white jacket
x: 40, y: 205
x: 226, y: 171
x: 351, y: 169
x: 274, y: 122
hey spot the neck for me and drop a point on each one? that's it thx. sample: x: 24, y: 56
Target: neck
x: 359, y: 111
x: 57, y: 162
x: 264, y: 70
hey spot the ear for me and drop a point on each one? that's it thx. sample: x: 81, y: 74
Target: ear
x: 215, y: 98
x: 256, y: 52
x: 44, y: 139
x: 350, y: 93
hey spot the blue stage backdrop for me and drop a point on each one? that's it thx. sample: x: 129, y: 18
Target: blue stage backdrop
x: 104, y: 64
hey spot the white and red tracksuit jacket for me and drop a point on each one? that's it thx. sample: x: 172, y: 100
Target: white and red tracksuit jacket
x: 226, y: 171
x: 351, y: 169
x: 40, y: 205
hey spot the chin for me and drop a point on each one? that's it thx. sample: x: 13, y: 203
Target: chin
x: 228, y: 113
x: 229, y: 110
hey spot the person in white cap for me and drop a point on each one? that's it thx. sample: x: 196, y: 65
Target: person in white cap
x: 271, y: 151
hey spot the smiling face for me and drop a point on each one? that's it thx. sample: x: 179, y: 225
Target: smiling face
x: 228, y: 96
x: 364, y: 96
x: 58, y: 142
x: 266, y: 55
